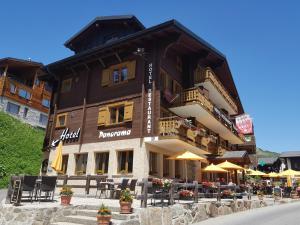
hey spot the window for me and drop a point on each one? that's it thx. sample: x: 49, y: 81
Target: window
x: 116, y: 76
x: 119, y: 73
x: 81, y: 162
x: 166, y: 166
x: 25, y: 112
x: 125, y: 161
x: 124, y: 73
x: 153, y: 163
x: 24, y: 94
x: 37, y: 82
x: 117, y: 114
x: 46, y: 103
x: 12, y: 88
x: 43, y: 119
x: 102, y: 162
x: 12, y: 108
x: 61, y: 120
x: 64, y: 166
x: 66, y: 85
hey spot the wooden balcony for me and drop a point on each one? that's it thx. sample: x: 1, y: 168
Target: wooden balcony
x: 23, y: 94
x: 210, y: 81
x: 193, y: 103
x: 177, y: 134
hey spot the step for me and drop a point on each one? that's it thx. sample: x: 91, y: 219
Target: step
x: 86, y: 220
x: 115, y: 215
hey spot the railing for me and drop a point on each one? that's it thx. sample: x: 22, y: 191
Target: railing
x: 208, y: 74
x: 194, y: 95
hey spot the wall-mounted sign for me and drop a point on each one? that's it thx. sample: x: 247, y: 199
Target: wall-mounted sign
x: 66, y: 135
x: 119, y: 133
x: 244, y: 124
x: 149, y: 98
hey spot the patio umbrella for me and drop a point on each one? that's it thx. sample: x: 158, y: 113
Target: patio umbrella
x: 272, y: 175
x: 57, y: 162
x: 256, y: 173
x: 229, y: 166
x: 214, y: 169
x: 187, y: 156
x: 289, y: 172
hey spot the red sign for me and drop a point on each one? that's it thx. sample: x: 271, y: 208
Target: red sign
x: 244, y: 124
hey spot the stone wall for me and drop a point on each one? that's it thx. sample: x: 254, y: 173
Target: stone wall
x: 178, y: 214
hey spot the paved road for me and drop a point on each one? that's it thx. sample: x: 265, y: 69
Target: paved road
x: 2, y: 194
x: 286, y: 214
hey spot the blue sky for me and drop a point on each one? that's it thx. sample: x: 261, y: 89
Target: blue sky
x: 261, y: 40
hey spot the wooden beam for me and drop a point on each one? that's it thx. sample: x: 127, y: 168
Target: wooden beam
x: 118, y: 57
x: 102, y: 62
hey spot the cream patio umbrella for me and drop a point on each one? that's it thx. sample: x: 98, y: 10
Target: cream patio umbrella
x: 257, y: 173
x: 289, y: 172
x: 187, y: 156
x: 272, y: 175
x: 57, y: 162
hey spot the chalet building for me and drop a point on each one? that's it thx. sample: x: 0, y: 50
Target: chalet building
x: 22, y: 94
x: 130, y: 97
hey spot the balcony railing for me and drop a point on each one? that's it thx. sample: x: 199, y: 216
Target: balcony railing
x: 208, y: 74
x: 195, y: 95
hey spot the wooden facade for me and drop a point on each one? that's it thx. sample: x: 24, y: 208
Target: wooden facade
x: 131, y: 83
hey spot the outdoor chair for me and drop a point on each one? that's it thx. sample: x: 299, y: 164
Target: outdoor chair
x: 132, y: 186
x: 100, y: 186
x: 47, y: 185
x: 111, y: 187
x: 121, y: 187
x: 28, y: 185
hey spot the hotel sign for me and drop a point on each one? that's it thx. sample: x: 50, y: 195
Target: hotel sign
x: 66, y: 135
x: 244, y: 124
x: 114, y: 134
x: 149, y: 80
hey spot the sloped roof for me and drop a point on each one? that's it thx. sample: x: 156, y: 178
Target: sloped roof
x: 290, y: 154
x: 19, y: 62
x: 267, y: 160
x: 233, y: 154
x: 100, y: 19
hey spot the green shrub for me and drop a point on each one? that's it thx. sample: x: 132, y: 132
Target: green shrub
x: 20, y: 148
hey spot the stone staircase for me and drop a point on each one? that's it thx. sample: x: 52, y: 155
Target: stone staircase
x: 87, y: 216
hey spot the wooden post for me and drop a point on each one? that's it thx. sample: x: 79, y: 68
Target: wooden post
x: 172, y: 193
x: 144, y: 193
x: 219, y: 193
x: 88, y: 184
x: 65, y: 180
x: 196, y: 192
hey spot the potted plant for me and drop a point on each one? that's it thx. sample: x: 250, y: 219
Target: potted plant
x: 125, y: 201
x: 157, y: 183
x: 123, y: 172
x: 166, y: 184
x: 260, y: 195
x: 100, y: 172
x: 186, y: 194
x: 66, y: 194
x: 103, y: 215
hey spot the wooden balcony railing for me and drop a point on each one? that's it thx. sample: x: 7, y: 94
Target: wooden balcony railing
x: 208, y: 74
x: 194, y: 95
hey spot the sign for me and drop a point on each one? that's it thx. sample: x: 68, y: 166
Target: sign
x: 149, y: 97
x: 114, y: 134
x: 244, y: 124
x: 66, y: 135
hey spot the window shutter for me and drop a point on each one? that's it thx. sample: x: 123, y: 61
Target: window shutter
x: 103, y: 117
x: 128, y: 111
x: 106, y: 77
x: 131, y: 69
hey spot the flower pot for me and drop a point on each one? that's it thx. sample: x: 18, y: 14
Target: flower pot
x: 125, y: 207
x: 65, y: 200
x: 186, y: 198
x: 103, y: 219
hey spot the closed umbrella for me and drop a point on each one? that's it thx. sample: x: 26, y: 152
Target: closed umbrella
x: 57, y: 162
x: 187, y: 156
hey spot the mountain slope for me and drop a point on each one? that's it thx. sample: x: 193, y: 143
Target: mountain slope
x: 20, y: 147
x: 264, y: 153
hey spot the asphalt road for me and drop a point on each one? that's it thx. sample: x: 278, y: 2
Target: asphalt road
x: 2, y: 194
x: 286, y: 214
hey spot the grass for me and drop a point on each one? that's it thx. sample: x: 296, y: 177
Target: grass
x: 20, y: 148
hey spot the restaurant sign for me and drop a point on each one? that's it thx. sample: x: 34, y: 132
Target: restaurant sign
x: 66, y: 135
x: 114, y: 134
x: 244, y: 124
x: 149, y: 97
